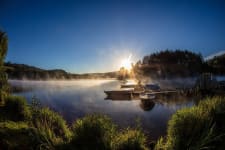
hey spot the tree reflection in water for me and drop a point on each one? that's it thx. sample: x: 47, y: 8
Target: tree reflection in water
x: 147, y: 105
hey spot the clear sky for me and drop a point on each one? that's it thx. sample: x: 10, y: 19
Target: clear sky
x: 94, y: 36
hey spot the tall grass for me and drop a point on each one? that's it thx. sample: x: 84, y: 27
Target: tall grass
x: 93, y: 132
x: 42, y: 128
x: 16, y: 109
x: 18, y: 135
x: 52, y: 125
x: 199, y: 127
x: 130, y: 139
x: 98, y: 132
x: 45, y: 129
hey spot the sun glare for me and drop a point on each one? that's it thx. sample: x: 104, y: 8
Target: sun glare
x: 126, y: 63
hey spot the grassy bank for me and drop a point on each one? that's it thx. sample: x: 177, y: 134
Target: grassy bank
x: 24, y: 126
x: 198, y: 127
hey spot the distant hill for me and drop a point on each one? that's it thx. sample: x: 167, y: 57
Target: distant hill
x: 163, y: 64
x: 22, y: 71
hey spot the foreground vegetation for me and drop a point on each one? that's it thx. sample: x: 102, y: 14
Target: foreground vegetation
x: 198, y: 127
x: 33, y: 127
x: 24, y: 126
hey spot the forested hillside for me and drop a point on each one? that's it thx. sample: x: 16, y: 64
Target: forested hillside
x: 169, y: 63
x: 22, y: 71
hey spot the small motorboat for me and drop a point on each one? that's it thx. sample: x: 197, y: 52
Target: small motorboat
x: 120, y: 94
x: 128, y: 85
x: 123, y: 81
x: 147, y: 96
x: 128, y: 91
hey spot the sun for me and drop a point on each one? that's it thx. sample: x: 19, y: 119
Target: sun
x: 126, y: 63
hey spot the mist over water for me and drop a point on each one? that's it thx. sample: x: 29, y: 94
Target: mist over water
x: 76, y: 98
x: 174, y: 83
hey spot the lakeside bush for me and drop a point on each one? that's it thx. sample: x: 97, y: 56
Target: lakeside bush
x: 198, y: 127
x: 16, y: 109
x: 49, y: 130
x: 93, y: 132
x: 130, y: 139
x: 18, y: 135
x: 52, y: 125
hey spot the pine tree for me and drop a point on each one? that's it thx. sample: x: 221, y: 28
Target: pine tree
x: 4, y: 88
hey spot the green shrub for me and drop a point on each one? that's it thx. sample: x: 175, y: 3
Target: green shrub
x: 130, y: 139
x: 52, y: 125
x: 199, y: 127
x: 160, y: 144
x: 4, y: 90
x: 16, y: 109
x: 18, y: 135
x: 93, y: 132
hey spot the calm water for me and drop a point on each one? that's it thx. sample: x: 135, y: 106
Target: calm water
x: 74, y: 99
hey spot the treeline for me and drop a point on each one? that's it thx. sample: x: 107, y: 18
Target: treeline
x: 163, y: 64
x: 22, y: 71
x: 178, y: 63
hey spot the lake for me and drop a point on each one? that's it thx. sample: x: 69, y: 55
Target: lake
x: 76, y: 98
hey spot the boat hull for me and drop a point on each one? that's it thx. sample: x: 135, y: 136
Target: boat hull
x: 119, y: 95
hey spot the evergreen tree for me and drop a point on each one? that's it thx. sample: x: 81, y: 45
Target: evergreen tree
x: 3, y: 77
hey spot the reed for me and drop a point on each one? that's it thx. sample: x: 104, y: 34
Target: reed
x: 52, y: 125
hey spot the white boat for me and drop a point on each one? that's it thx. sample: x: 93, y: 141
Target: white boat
x: 147, y: 96
x: 129, y: 84
x: 119, y: 94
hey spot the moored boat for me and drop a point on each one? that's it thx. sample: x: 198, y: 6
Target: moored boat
x: 119, y: 94
x: 130, y: 85
x: 147, y: 96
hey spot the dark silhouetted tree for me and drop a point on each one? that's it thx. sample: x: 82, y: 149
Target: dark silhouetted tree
x: 3, y: 78
x: 169, y: 63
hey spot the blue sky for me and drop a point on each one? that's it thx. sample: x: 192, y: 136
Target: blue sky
x: 94, y: 36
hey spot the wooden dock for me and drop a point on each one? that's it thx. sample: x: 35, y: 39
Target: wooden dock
x: 131, y: 94
x: 163, y: 92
